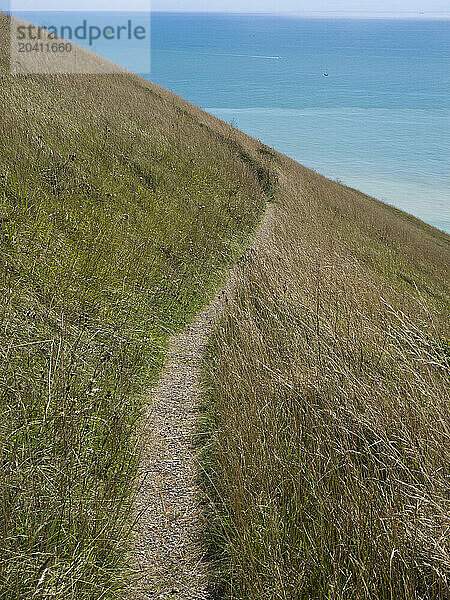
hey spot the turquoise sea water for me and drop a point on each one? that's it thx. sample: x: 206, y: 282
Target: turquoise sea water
x: 379, y: 122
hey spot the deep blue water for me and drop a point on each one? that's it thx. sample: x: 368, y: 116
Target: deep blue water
x: 379, y: 122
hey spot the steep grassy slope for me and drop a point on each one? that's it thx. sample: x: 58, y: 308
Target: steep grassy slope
x: 327, y: 422
x: 121, y: 206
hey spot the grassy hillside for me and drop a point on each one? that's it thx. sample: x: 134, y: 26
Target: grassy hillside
x: 121, y: 207
x: 327, y: 422
x: 326, y: 429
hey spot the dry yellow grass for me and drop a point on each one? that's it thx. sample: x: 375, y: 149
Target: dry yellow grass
x: 327, y: 430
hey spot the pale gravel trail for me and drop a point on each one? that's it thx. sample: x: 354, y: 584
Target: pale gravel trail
x: 167, y: 554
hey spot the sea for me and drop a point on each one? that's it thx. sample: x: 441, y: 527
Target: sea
x: 362, y: 101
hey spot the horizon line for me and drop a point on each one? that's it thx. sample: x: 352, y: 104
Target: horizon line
x: 317, y: 14
x: 393, y: 15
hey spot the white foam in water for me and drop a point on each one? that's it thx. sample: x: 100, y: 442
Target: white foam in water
x: 224, y: 54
